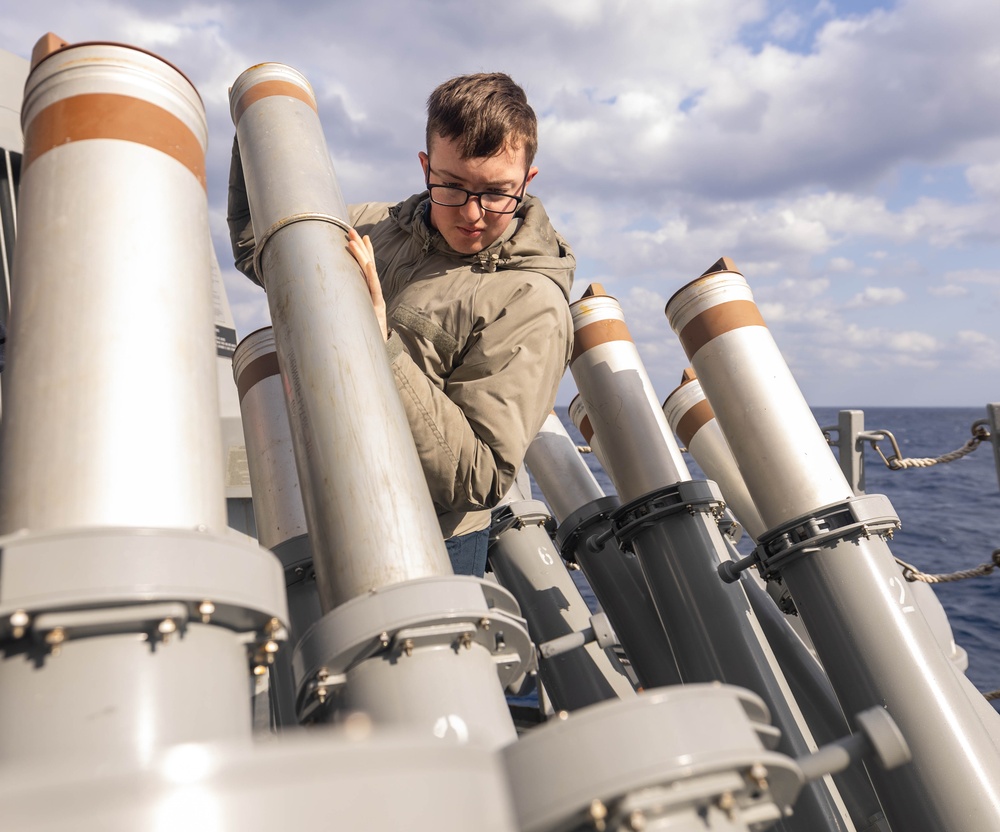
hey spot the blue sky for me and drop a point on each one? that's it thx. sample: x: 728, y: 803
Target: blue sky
x: 845, y: 155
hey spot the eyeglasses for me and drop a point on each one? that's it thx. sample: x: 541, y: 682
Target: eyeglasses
x: 454, y: 197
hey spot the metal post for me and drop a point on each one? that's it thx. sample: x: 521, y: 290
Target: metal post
x: 830, y: 551
x: 672, y: 526
x: 402, y: 638
x: 582, y: 509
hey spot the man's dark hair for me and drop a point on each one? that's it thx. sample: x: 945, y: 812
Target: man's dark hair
x: 487, y: 113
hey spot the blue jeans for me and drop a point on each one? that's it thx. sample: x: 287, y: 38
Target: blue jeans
x: 468, y: 552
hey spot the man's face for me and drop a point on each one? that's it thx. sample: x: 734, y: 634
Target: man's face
x: 468, y: 228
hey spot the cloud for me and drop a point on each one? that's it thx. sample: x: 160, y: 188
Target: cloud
x: 877, y: 296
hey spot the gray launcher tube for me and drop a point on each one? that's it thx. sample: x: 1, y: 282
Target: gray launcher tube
x: 581, y: 507
x: 712, y: 628
x: 560, y: 473
x: 111, y: 413
x: 371, y: 521
x: 525, y: 561
x: 632, y: 451
x: 111, y: 449
x: 692, y: 420
x: 876, y: 647
x: 353, y: 447
x: 277, y: 499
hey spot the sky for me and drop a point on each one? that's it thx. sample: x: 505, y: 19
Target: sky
x: 845, y: 155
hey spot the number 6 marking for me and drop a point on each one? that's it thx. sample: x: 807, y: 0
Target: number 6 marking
x: 545, y: 556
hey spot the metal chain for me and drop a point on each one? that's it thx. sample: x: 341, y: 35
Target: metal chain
x: 911, y: 573
x: 993, y: 694
x: 896, y: 462
x: 584, y: 449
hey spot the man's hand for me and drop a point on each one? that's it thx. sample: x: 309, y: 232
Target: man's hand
x: 364, y: 253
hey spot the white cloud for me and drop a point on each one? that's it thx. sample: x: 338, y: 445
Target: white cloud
x: 877, y: 296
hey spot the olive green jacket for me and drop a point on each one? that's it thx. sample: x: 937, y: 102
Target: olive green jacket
x: 478, y: 344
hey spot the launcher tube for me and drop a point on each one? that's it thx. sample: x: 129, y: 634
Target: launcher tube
x: 277, y: 498
x: 111, y: 412
x: 692, y: 419
x: 868, y: 632
x: 561, y: 474
x: 353, y: 446
x: 781, y: 452
x: 603, y: 349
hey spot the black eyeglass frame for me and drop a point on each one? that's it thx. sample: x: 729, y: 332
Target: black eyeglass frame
x: 479, y: 196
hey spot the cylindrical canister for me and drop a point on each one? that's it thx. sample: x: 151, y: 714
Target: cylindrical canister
x: 368, y: 509
x: 561, y: 474
x: 277, y: 498
x: 691, y: 417
x: 111, y: 412
x: 613, y: 381
x: 874, y: 644
x: 578, y: 415
x: 781, y: 452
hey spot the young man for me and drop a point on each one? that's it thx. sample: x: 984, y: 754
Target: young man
x: 470, y: 284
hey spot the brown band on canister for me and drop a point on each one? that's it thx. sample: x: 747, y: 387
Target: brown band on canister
x: 257, y: 370
x: 111, y: 116
x: 586, y: 429
x: 717, y: 321
x: 266, y: 89
x: 692, y: 421
x: 599, y: 332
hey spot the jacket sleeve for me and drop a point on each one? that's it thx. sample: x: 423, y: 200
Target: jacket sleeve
x: 238, y: 217
x: 472, y: 433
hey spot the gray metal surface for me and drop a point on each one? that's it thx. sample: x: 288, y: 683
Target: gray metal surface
x: 875, y: 645
x: 357, y: 777
x: 663, y: 760
x: 527, y: 563
x: 709, y: 449
x: 616, y: 577
x: 579, y: 504
x: 712, y: 629
x: 277, y: 498
x: 111, y: 368
x: 561, y: 475
x: 353, y: 447
x: 418, y: 652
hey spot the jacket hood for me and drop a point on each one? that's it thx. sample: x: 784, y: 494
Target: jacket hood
x: 530, y: 243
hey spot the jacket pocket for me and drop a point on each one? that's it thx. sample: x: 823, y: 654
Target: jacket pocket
x: 415, y: 321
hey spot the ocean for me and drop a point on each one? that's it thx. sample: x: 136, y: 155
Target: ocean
x: 950, y: 515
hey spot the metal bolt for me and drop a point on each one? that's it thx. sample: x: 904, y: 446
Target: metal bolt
x: 206, y: 609
x: 758, y: 773
x: 54, y: 638
x: 637, y: 821
x: 384, y: 639
x: 500, y: 642
x: 271, y: 647
x: 259, y: 670
x: 273, y: 626
x: 727, y: 803
x: 408, y: 647
x: 18, y: 621
x: 484, y: 623
x: 562, y: 715
x: 466, y: 640
x: 598, y: 813
x: 321, y: 695
x: 166, y: 628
